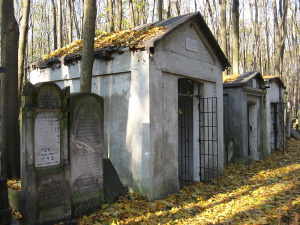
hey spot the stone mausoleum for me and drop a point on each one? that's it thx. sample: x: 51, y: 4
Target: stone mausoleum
x: 245, y: 119
x: 163, y: 102
x: 275, y: 107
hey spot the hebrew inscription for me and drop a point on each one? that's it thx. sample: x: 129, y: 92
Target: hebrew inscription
x: 86, y: 146
x: 50, y: 193
x: 48, y: 99
x: 47, y: 139
x: 191, y: 44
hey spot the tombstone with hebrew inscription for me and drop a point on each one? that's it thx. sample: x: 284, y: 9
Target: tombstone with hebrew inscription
x: 45, y: 170
x: 86, y: 148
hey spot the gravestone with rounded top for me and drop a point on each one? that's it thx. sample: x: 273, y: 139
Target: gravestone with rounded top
x: 45, y: 165
x: 86, y: 148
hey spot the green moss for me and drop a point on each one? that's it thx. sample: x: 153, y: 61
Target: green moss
x: 45, y: 171
x: 242, y: 161
x: 85, y: 204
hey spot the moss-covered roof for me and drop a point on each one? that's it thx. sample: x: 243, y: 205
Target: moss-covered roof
x: 124, y: 38
x: 144, y: 37
x: 230, y: 78
x: 242, y: 79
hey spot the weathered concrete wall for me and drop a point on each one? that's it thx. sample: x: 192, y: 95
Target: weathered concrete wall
x: 171, y: 62
x: 237, y: 140
x: 275, y: 94
x: 140, y: 95
x: 243, y: 133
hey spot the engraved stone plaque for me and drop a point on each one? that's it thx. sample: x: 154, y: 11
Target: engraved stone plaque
x: 47, y: 139
x: 191, y: 44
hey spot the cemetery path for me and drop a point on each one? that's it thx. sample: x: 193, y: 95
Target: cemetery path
x: 255, y: 194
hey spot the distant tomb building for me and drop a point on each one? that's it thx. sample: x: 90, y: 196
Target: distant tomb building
x: 275, y: 107
x: 163, y: 99
x: 245, y: 119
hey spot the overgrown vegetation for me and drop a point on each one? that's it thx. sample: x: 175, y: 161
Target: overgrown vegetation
x: 264, y: 192
x: 124, y: 38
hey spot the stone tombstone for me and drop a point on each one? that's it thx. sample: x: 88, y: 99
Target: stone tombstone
x: 86, y: 149
x: 45, y: 172
x: 5, y: 214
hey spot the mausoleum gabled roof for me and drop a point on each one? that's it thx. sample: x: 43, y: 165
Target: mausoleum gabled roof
x: 242, y: 80
x: 142, y: 37
x: 277, y: 80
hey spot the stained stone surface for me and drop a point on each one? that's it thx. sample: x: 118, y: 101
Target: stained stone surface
x: 4, y: 211
x: 86, y: 150
x: 46, y: 190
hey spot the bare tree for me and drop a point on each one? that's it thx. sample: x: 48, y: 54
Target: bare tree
x: 235, y: 36
x: 132, y: 18
x: 169, y: 9
x: 59, y: 24
x: 178, y: 5
x: 280, y: 28
x: 120, y: 14
x: 88, y: 45
x: 54, y: 24
x: 70, y: 6
x: 22, y: 45
x: 111, y: 15
x: 223, y: 28
x: 9, y: 126
x: 159, y: 9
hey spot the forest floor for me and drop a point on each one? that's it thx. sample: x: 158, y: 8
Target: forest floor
x: 260, y: 193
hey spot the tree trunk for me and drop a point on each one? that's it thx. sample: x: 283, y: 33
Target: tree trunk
x: 70, y: 21
x: 223, y: 29
x: 22, y: 45
x: 78, y: 31
x: 280, y: 34
x: 178, y: 5
x: 169, y: 9
x: 88, y: 45
x: 9, y: 125
x: 159, y: 9
x: 120, y: 14
x: 132, y: 19
x: 59, y: 24
x: 111, y: 15
x: 54, y: 25
x: 235, y: 37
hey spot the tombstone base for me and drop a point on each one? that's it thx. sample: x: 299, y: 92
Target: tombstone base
x: 85, y: 204
x: 5, y: 216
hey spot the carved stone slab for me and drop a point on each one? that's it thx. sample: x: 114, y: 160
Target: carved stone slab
x: 46, y: 189
x: 86, y: 148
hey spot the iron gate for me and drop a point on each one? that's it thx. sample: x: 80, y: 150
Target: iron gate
x: 208, y: 125
x: 188, y: 99
x: 185, y: 131
x: 277, y: 125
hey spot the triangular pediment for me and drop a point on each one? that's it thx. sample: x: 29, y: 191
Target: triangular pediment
x: 189, y: 41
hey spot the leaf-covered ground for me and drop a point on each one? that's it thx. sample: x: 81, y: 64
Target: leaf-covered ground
x: 251, y: 194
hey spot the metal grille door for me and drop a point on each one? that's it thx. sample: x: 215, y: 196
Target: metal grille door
x: 185, y: 131
x: 277, y: 125
x: 208, y: 125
